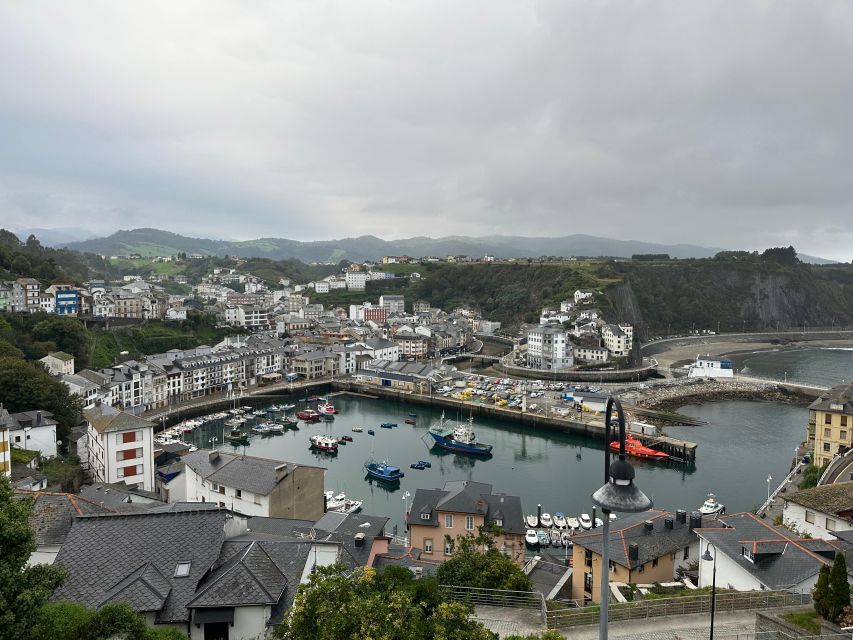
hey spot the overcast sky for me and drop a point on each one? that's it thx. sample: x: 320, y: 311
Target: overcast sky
x: 714, y: 123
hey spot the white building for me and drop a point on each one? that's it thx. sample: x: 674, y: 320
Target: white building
x: 59, y: 363
x: 821, y: 511
x: 548, y: 349
x: 321, y: 286
x: 356, y: 280
x: 709, y: 367
x: 121, y: 447
x: 35, y: 431
x: 618, y: 339
x: 584, y: 294
x: 394, y: 304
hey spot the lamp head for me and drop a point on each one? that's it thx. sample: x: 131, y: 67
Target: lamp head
x: 707, y: 555
x: 620, y: 494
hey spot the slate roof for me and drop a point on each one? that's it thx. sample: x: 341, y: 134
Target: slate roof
x: 248, y: 577
x: 247, y: 473
x: 781, y: 560
x: 107, y: 556
x: 630, y: 529
x: 106, y: 419
x: 408, y: 557
x: 119, y: 498
x: 53, y: 514
x: 467, y: 496
x: 841, y: 394
x: 828, y: 498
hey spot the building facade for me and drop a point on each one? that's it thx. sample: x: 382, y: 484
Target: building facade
x: 548, y: 349
x: 831, y: 423
x: 120, y: 447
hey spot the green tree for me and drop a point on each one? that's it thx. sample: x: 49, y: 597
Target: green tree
x: 69, y: 335
x: 820, y: 592
x: 490, y: 569
x: 839, y: 588
x: 23, y: 590
x: 20, y: 266
x: 71, y: 621
x: 9, y: 350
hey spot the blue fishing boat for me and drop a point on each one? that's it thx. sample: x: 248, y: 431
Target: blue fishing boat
x: 383, y: 471
x: 388, y: 425
x: 459, y: 439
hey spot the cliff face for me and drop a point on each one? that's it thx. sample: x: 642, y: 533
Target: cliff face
x: 730, y: 296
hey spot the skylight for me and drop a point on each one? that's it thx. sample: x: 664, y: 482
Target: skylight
x: 182, y: 569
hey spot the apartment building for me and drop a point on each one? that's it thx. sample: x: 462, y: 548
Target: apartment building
x: 439, y: 517
x: 830, y: 426
x: 394, y: 304
x: 356, y: 280
x: 618, y: 339
x: 120, y: 447
x: 548, y: 349
x: 59, y: 363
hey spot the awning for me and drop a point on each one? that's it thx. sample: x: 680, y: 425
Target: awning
x: 213, y: 614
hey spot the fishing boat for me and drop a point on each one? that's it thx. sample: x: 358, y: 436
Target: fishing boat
x: 341, y: 441
x: 544, y: 538
x: 261, y: 429
x: 371, y: 432
x: 532, y: 521
x: 258, y: 413
x: 276, y: 428
x: 585, y: 521
x: 417, y: 465
x: 711, y: 506
x: 459, y: 439
x: 383, y: 471
x: 409, y: 421
x: 637, y: 449
x: 573, y: 523
x: 346, y: 438
x: 531, y: 538
x: 327, y: 409
x: 555, y: 538
x: 341, y: 504
x: 545, y: 520
x: 425, y: 463
x: 308, y: 415
x: 288, y: 407
x: 388, y: 425
x: 287, y: 421
x: 560, y: 520
x: 324, y: 443
x: 357, y: 429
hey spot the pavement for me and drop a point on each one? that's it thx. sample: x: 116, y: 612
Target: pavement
x: 510, y: 621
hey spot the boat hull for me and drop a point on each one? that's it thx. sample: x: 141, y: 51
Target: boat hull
x: 457, y: 447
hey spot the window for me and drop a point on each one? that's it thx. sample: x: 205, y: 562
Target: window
x: 448, y: 548
x: 827, y: 418
x: 827, y: 433
x: 842, y: 435
x: 830, y: 524
x: 641, y: 568
x: 826, y: 447
x: 655, y: 562
x: 427, y: 545
x: 843, y: 421
x: 612, y: 566
x: 809, y: 516
x: 222, y: 489
x: 448, y: 521
x: 686, y: 553
x: 499, y: 522
x: 130, y: 436
x: 214, y: 486
x: 182, y: 569
x: 588, y: 557
x: 238, y: 493
x: 424, y: 516
x: 469, y: 523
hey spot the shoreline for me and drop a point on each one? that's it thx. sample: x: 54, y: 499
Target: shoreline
x: 681, y: 355
x: 673, y: 398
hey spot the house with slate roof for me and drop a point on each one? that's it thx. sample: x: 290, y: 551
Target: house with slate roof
x: 821, y: 511
x: 644, y: 548
x: 440, y: 516
x: 35, y: 431
x: 250, y: 486
x: 751, y: 555
x: 120, y: 447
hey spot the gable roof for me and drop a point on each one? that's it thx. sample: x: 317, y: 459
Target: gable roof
x: 106, y: 419
x: 107, y: 556
x: 827, y: 498
x: 840, y: 397
x: 53, y: 514
x: 248, y: 577
x: 467, y: 496
x: 247, y: 473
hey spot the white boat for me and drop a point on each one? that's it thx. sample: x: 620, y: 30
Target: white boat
x: 599, y: 523
x: 357, y: 429
x: 348, y: 506
x: 555, y: 538
x: 711, y: 506
x: 560, y: 520
x: 612, y: 517
x: 327, y: 409
x: 573, y: 523
x: 566, y: 539
x: 546, y: 520
x: 585, y: 521
x: 532, y: 521
x: 288, y: 407
x: 531, y: 538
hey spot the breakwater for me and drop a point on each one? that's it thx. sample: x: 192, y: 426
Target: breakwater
x: 672, y: 397
x: 584, y: 426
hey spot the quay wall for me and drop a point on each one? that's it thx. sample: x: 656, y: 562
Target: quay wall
x: 679, y: 448
x: 675, y: 396
x: 591, y: 375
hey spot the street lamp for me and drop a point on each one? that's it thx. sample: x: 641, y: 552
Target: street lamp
x: 618, y: 494
x: 406, y: 497
x: 769, y: 478
x: 708, y: 557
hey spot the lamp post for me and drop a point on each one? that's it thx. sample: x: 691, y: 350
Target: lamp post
x: 769, y: 478
x: 406, y: 497
x: 618, y: 494
x: 708, y: 557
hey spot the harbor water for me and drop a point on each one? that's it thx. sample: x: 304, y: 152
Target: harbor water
x: 827, y: 366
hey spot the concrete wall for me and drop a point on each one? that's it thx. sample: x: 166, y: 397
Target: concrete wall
x: 794, y: 515
x: 249, y: 624
x: 299, y: 495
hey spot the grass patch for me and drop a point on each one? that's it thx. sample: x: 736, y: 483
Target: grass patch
x: 805, y: 620
x: 63, y: 473
x: 23, y: 456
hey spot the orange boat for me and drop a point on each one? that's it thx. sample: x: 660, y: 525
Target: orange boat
x: 637, y: 449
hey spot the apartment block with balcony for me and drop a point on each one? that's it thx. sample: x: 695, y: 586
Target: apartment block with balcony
x: 120, y: 447
x: 439, y: 517
x: 830, y: 426
x: 548, y: 349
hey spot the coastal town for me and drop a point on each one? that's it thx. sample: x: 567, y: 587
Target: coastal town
x: 166, y: 448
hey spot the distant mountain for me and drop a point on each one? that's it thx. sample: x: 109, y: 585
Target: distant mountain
x: 151, y: 242
x: 55, y: 237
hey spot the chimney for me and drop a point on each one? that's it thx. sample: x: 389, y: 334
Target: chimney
x: 695, y: 520
x: 359, y: 540
x: 38, y: 418
x: 281, y: 472
x: 681, y: 516
x: 648, y: 527
x: 668, y: 522
x: 213, y: 456
x: 633, y: 554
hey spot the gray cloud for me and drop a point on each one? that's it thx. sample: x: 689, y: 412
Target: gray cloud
x: 665, y: 121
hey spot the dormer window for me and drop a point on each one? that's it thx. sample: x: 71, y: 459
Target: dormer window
x: 182, y: 569
x: 499, y: 522
x: 424, y: 516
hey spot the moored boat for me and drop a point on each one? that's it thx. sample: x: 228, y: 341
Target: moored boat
x: 239, y: 441
x: 532, y: 521
x: 544, y: 538
x: 586, y: 521
x: 357, y: 429
x: 637, y: 449
x: 383, y: 471
x: 327, y: 409
x: 371, y: 432
x: 288, y: 407
x: 711, y: 506
x: 573, y: 523
x: 531, y: 538
x: 409, y: 421
x: 324, y: 443
x: 459, y: 439
x: 308, y: 415
x: 560, y: 520
x: 555, y: 538
x: 545, y: 520
x: 388, y: 425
